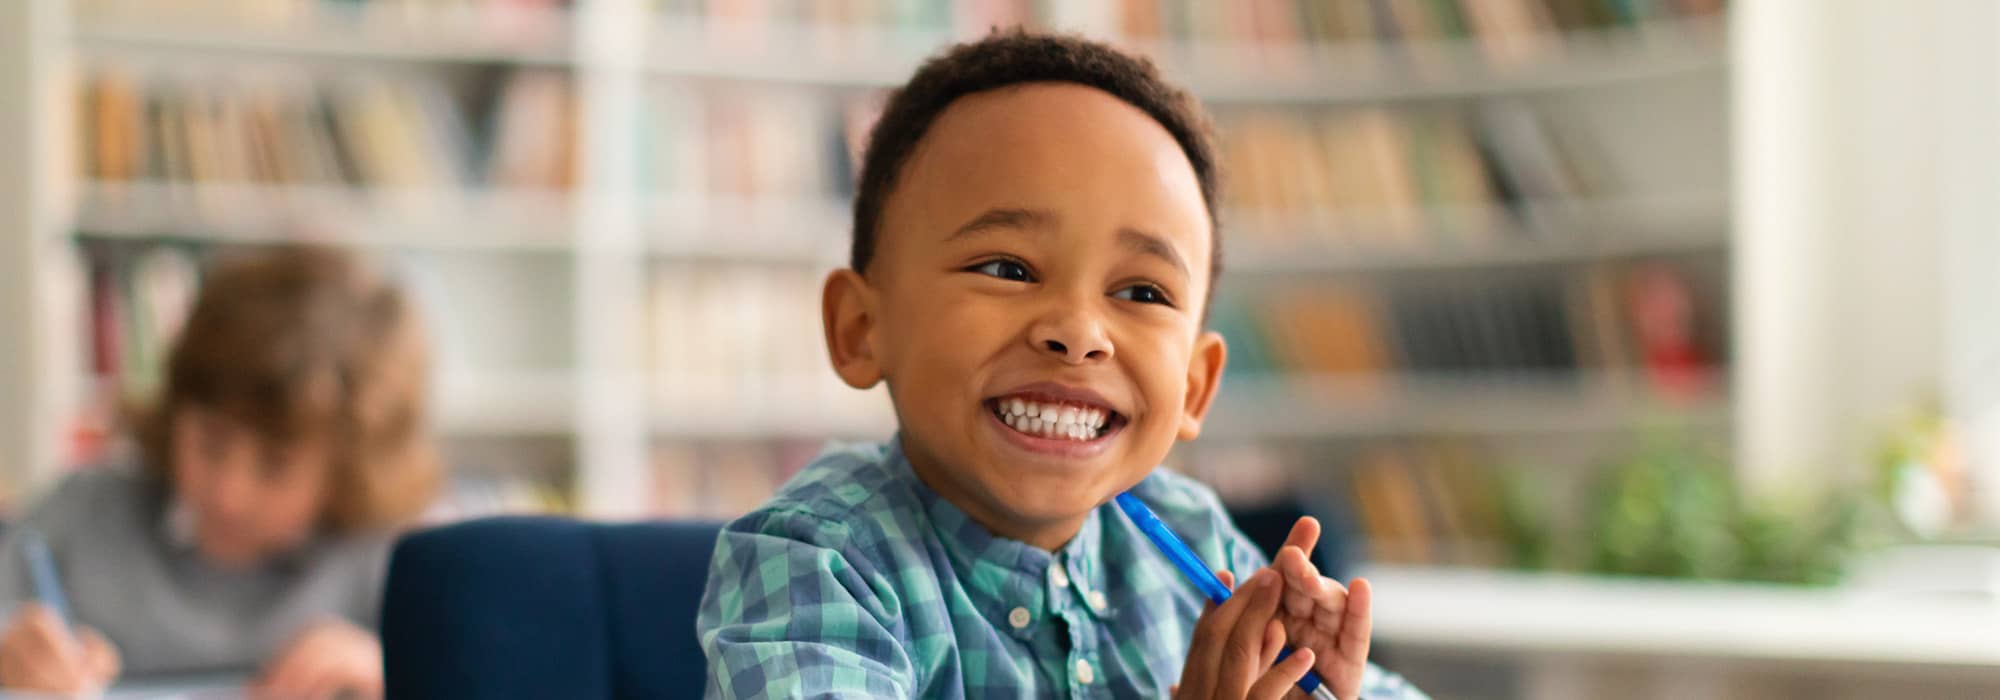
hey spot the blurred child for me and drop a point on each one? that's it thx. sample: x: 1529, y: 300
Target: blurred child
x: 288, y: 443
x: 1034, y: 249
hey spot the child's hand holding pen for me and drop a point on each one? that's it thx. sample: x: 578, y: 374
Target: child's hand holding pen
x: 1320, y: 614
x: 1236, y: 644
x: 39, y: 651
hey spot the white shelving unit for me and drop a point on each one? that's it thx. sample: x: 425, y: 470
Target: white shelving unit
x: 608, y: 233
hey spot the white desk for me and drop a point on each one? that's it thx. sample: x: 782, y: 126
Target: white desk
x: 1696, y: 639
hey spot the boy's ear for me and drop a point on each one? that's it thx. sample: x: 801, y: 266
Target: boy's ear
x: 1204, y: 377
x: 847, y: 314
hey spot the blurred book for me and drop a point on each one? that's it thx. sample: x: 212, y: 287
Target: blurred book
x: 276, y: 127
x: 1429, y: 178
x: 1639, y: 326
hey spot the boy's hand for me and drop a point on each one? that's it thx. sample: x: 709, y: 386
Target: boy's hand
x: 330, y: 659
x: 1235, y: 643
x: 1320, y: 614
x: 39, y: 653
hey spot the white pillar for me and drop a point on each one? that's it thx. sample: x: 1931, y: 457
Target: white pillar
x: 34, y: 135
x: 1785, y: 185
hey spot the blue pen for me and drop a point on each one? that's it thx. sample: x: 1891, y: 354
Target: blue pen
x: 42, y: 569
x: 1204, y: 579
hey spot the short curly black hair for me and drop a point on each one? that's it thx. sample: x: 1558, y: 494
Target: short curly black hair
x: 1013, y: 57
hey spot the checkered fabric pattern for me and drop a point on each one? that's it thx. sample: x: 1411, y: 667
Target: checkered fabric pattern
x: 857, y: 581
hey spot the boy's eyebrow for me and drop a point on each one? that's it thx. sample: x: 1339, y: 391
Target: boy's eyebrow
x: 1149, y: 244
x: 1133, y: 239
x: 1015, y: 218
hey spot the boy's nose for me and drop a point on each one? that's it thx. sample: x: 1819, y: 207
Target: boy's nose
x: 1072, y: 338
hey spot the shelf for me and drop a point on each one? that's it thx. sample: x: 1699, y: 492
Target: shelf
x: 1514, y: 613
x: 1576, y: 232
x: 391, y: 219
x: 835, y: 58
x: 813, y: 230
x: 475, y: 404
x: 1449, y: 69
x: 772, y: 230
x: 1293, y: 406
x: 543, y: 38
x: 797, y: 408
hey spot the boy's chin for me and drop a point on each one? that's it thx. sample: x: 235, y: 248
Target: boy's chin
x: 1050, y: 496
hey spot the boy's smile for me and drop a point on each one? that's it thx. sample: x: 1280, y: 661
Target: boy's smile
x: 1035, y: 305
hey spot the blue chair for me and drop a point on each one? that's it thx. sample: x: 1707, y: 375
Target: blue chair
x: 540, y: 607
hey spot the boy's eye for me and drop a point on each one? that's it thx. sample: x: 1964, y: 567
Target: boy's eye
x: 1144, y: 294
x: 1004, y: 269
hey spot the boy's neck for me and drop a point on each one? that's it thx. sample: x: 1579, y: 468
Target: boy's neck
x: 1047, y: 535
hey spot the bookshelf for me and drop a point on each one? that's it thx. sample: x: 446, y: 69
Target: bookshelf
x: 602, y: 176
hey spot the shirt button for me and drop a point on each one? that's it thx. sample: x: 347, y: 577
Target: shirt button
x: 1084, y: 674
x: 1096, y: 599
x: 1018, y: 618
x: 1057, y: 577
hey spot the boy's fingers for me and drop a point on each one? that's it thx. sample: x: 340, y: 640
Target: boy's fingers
x: 1215, y: 645
x: 1302, y: 588
x: 1282, y: 677
x: 1305, y: 534
x: 1245, y: 644
x: 1205, y: 649
x: 1356, y: 626
x: 48, y: 635
x: 100, y: 657
x: 1274, y: 640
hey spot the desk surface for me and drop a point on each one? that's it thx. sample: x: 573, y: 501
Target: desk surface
x: 1524, y: 612
x: 189, y: 686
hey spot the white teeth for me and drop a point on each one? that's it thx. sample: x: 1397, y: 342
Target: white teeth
x: 1051, y: 420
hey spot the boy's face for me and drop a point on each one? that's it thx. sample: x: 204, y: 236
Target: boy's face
x: 250, y: 499
x: 1035, y: 305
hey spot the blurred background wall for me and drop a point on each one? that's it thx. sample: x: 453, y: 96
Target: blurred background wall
x: 1634, y: 346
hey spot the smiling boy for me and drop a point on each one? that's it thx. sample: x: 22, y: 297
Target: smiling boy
x: 1034, y: 248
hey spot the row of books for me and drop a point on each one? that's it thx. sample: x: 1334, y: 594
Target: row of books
x: 752, y: 142
x: 505, y: 476
x: 497, y: 21
x: 1379, y: 176
x: 276, y: 126
x: 138, y: 296
x: 269, y: 126
x: 472, y: 493
x: 1503, y: 25
x: 1499, y: 24
x: 737, y: 348
x: 718, y: 480
x: 1643, y: 319
x: 1436, y: 503
x: 1418, y: 502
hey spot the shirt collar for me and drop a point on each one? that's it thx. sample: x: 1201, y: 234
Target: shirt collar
x: 1004, y: 574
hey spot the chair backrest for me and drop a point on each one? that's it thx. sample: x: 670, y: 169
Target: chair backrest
x: 546, y: 607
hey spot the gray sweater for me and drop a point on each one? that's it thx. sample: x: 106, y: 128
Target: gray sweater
x: 128, y: 574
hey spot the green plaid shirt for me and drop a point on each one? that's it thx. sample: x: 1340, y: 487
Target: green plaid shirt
x: 857, y: 581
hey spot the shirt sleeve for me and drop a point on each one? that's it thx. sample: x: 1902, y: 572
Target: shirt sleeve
x: 790, y: 612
